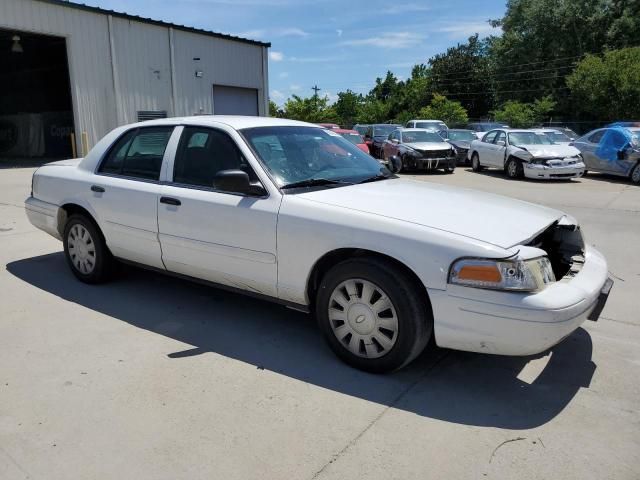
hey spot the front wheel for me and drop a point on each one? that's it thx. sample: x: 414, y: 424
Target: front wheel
x: 635, y: 174
x: 514, y: 169
x: 372, y: 315
x: 475, y: 163
x: 86, y: 251
x: 449, y: 170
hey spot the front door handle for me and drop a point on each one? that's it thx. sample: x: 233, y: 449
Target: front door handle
x: 170, y: 201
x: 97, y: 189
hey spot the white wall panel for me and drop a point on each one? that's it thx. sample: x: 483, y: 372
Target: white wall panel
x: 142, y: 64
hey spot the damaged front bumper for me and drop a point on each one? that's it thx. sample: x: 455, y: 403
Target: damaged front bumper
x: 417, y: 163
x: 509, y: 323
x: 556, y: 169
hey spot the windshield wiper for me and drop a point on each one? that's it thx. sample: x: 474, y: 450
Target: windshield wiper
x: 314, y: 182
x: 375, y: 178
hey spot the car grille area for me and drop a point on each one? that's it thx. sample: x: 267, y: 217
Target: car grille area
x: 564, y: 246
x: 435, y: 153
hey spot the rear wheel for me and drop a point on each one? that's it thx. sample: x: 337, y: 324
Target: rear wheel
x: 475, y: 163
x: 86, y: 251
x: 514, y: 168
x: 372, y: 315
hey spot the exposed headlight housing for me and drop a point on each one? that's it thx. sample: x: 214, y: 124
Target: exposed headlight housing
x: 510, y: 275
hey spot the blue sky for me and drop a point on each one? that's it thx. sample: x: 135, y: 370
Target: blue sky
x: 332, y: 43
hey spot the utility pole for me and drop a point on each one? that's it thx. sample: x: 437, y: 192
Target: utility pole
x: 315, y: 89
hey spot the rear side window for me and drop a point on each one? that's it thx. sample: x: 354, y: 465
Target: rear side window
x: 596, y: 137
x: 138, y: 153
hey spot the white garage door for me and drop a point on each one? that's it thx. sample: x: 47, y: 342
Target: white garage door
x: 235, y: 100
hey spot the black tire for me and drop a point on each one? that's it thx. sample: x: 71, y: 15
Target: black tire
x: 400, y: 165
x: 412, y: 311
x: 585, y: 173
x: 103, y: 261
x: 635, y: 175
x: 475, y: 163
x: 449, y: 169
x: 514, y: 169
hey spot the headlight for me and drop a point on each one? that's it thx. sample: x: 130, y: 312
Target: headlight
x: 512, y: 275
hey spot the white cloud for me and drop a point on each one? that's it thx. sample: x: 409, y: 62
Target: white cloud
x: 339, y: 32
x: 466, y: 29
x: 333, y: 98
x: 276, y: 95
x: 295, y: 88
x: 290, y: 32
x: 276, y: 56
x: 388, y: 40
x: 328, y: 59
x: 283, y: 74
x: 252, y: 34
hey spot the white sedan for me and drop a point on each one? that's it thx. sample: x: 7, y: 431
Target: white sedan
x: 526, y: 153
x: 296, y: 214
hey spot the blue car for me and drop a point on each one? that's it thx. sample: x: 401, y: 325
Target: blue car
x: 613, y: 150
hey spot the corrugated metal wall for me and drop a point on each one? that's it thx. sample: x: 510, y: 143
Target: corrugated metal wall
x: 106, y: 95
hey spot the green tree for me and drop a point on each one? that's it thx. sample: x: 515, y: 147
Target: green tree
x: 608, y: 87
x: 463, y: 72
x: 274, y: 110
x: 450, y: 112
x: 311, y: 109
x: 373, y: 110
x: 524, y: 115
x: 347, y: 107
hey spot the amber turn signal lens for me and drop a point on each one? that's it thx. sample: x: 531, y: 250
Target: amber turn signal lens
x: 480, y: 273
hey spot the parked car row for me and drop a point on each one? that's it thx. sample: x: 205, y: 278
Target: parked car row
x: 538, y: 153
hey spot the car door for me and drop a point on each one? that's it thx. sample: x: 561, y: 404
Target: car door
x: 618, y: 161
x: 391, y: 147
x: 485, y: 148
x: 588, y: 146
x: 220, y: 236
x: 499, y: 149
x: 125, y: 193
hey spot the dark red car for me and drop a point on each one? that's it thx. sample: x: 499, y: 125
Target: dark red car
x: 354, y: 137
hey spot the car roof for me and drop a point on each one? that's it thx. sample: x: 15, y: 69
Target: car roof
x: 345, y: 130
x: 417, y: 130
x: 425, y: 120
x: 462, y: 130
x: 237, y: 122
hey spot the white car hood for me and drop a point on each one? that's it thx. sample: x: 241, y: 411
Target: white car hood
x: 490, y: 218
x: 429, y: 145
x: 550, y: 151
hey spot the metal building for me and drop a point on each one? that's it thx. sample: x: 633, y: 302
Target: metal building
x: 70, y: 73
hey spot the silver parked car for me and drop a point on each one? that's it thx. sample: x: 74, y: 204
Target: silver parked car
x: 614, y: 150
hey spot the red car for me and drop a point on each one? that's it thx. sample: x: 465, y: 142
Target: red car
x: 330, y: 126
x: 354, y: 137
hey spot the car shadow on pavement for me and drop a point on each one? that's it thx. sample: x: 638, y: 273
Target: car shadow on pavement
x: 464, y: 388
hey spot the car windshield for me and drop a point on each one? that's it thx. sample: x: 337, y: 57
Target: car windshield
x: 529, y: 138
x: 485, y: 127
x: 354, y: 138
x: 558, y: 137
x: 299, y: 154
x: 383, y: 130
x: 435, y: 126
x: 461, y: 135
x: 421, y: 136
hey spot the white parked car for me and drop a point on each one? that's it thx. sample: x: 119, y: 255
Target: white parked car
x: 433, y: 125
x: 295, y: 213
x: 526, y: 153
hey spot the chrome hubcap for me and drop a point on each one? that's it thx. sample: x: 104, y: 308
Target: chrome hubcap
x: 363, y: 318
x: 82, y: 250
x: 512, y: 169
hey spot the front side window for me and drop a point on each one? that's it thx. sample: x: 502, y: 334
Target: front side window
x: 490, y: 137
x: 297, y: 154
x: 138, y: 153
x: 203, y: 153
x: 596, y: 137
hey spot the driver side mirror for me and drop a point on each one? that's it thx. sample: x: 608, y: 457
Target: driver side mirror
x: 501, y: 143
x: 237, y: 181
x: 395, y: 141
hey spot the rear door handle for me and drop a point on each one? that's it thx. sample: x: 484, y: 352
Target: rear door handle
x: 97, y: 189
x: 170, y: 201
